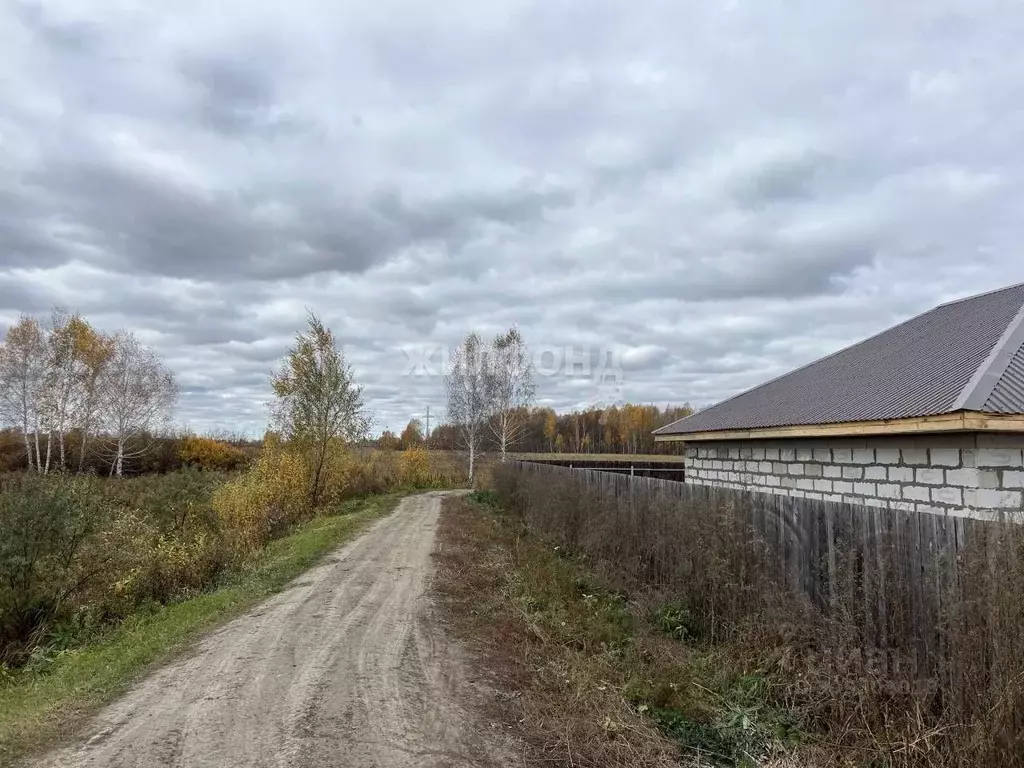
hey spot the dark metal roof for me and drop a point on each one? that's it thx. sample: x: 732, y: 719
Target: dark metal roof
x: 965, y: 355
x: 1008, y: 395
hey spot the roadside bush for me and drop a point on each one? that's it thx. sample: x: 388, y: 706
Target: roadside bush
x: 78, y: 553
x: 415, y: 467
x: 261, y: 504
x: 44, y: 523
x: 142, y: 563
x: 170, y: 500
x: 341, y: 467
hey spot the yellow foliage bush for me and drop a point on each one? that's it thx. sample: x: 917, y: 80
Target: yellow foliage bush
x: 209, y: 454
x: 268, y: 499
x: 340, y: 467
x: 415, y: 467
x: 273, y: 495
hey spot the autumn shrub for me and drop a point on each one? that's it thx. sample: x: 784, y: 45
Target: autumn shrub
x: 209, y: 454
x: 415, y: 467
x: 380, y: 470
x: 44, y: 523
x: 164, y: 542
x: 341, y: 468
x: 136, y: 561
x: 375, y: 472
x: 265, y: 501
x: 170, y: 499
x: 80, y: 552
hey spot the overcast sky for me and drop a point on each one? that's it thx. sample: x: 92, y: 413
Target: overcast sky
x: 715, y: 192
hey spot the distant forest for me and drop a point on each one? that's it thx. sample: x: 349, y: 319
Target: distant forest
x: 617, y: 429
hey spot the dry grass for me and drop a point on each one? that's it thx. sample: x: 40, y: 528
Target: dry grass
x: 560, y: 696
x: 587, y: 677
x: 728, y: 597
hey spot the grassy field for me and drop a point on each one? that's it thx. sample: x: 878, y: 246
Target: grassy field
x: 42, y: 704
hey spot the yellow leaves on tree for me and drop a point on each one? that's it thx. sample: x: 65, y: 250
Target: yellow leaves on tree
x: 318, y: 403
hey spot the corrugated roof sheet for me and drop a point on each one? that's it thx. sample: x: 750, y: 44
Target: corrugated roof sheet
x: 1008, y: 395
x: 925, y: 366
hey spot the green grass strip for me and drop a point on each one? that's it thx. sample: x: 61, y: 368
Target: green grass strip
x: 41, y: 709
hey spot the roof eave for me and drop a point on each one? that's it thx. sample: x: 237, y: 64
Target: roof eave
x: 960, y: 421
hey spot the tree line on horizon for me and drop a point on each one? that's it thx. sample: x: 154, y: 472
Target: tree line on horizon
x: 74, y: 398
x: 622, y: 429
x: 490, y: 395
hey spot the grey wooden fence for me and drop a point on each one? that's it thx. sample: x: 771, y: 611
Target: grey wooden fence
x: 899, y: 579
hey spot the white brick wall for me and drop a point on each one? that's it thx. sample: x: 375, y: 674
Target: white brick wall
x: 972, y: 478
x: 876, y: 473
x: 915, y: 457
x: 944, y: 457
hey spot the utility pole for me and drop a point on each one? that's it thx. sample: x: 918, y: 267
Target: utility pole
x: 427, y: 433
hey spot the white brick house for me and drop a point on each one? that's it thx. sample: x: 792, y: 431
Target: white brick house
x: 927, y: 416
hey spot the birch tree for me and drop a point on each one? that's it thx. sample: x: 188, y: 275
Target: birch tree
x: 71, y: 356
x: 138, y: 393
x: 469, y: 404
x: 95, y: 351
x: 59, y: 383
x: 318, y: 400
x: 22, y: 375
x: 510, y: 388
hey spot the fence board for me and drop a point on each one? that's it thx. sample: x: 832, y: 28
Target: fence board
x: 897, y: 577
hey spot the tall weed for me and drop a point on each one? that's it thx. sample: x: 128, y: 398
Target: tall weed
x: 711, y: 579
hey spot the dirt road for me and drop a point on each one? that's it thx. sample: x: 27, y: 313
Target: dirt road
x: 343, y: 668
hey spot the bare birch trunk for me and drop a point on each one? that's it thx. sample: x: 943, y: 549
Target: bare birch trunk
x: 117, y: 465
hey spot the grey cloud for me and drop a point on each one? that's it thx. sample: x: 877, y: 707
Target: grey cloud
x: 643, y: 358
x: 148, y: 224
x: 73, y: 37
x: 22, y: 297
x: 232, y: 82
x: 782, y: 179
x: 722, y: 192
x: 26, y: 237
x: 238, y: 96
